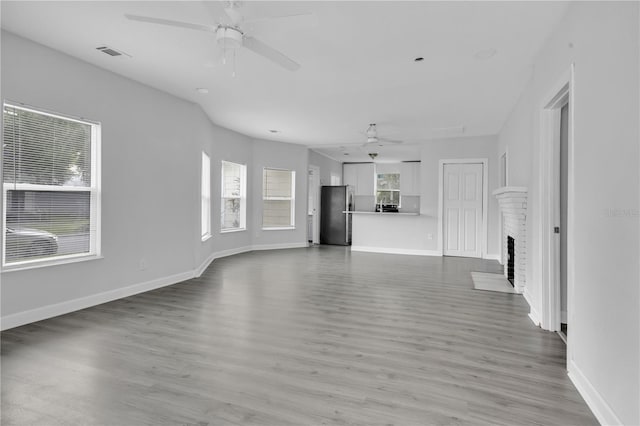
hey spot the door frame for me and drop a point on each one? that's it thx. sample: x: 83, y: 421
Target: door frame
x: 549, y: 197
x: 505, y: 154
x: 485, y: 186
x: 315, y: 221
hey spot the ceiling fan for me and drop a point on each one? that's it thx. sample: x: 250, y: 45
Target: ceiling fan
x: 230, y: 34
x: 374, y: 139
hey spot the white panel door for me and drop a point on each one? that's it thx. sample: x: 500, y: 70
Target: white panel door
x: 462, y: 210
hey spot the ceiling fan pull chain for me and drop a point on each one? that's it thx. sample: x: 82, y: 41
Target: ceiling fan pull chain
x: 224, y: 50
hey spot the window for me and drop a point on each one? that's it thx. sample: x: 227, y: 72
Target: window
x: 233, y: 205
x: 205, y: 202
x: 278, y: 195
x: 388, y: 188
x: 51, y: 187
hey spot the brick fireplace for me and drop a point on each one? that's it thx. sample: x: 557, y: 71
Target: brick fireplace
x: 513, y: 208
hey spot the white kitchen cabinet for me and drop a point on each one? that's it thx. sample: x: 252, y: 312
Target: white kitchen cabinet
x: 361, y: 176
x: 410, y: 178
x: 366, y: 178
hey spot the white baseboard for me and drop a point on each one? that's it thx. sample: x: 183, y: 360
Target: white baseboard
x: 592, y: 397
x: 279, y: 246
x: 534, y: 316
x: 413, y: 252
x: 495, y: 257
x: 50, y: 311
x: 217, y: 255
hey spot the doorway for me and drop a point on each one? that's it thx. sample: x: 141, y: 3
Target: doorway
x: 562, y: 253
x: 313, y: 219
x: 463, y: 207
x: 556, y: 210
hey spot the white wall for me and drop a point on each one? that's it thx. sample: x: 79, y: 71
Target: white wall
x: 327, y: 166
x: 223, y: 145
x: 601, y: 39
x: 457, y: 148
x: 280, y: 156
x: 151, y: 156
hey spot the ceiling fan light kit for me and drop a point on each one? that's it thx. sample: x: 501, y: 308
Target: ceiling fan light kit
x: 372, y: 137
x: 228, y: 37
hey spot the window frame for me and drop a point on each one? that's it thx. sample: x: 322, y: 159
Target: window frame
x: 389, y: 190
x: 291, y: 199
x: 94, y: 190
x: 205, y: 197
x: 242, y: 197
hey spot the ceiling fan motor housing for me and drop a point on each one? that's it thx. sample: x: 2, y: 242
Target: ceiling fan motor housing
x: 229, y: 37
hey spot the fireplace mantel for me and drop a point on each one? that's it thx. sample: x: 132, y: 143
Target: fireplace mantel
x: 513, y: 207
x: 509, y: 189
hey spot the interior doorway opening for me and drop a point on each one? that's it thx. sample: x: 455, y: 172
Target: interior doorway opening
x: 313, y: 205
x: 557, y: 210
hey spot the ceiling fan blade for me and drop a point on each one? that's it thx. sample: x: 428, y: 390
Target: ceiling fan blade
x: 270, y: 53
x: 171, y: 23
x: 298, y: 20
x: 389, y: 140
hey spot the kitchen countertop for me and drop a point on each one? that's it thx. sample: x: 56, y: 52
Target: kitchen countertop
x: 382, y: 213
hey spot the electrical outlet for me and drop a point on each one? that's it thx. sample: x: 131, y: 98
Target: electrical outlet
x: 142, y: 265
x: 429, y: 236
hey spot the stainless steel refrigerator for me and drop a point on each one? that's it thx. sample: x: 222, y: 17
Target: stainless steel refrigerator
x: 335, y: 225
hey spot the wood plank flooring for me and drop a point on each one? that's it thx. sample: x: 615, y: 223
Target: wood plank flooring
x: 303, y: 337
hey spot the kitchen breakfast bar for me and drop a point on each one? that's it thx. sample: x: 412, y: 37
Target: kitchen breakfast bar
x: 386, y: 232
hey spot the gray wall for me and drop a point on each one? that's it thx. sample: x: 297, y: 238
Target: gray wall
x: 327, y: 166
x: 602, y: 40
x: 151, y: 156
x: 458, y: 148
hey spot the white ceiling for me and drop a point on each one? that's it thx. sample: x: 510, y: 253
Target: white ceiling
x: 357, y: 64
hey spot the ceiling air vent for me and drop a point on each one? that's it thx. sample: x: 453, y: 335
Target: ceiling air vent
x: 111, y: 52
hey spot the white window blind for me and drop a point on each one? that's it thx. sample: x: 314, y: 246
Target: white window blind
x: 233, y: 190
x: 278, y: 194
x: 51, y: 192
x: 205, y: 202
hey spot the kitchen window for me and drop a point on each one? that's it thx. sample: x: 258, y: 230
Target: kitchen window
x: 205, y: 197
x: 388, y: 189
x: 233, y: 203
x: 51, y: 188
x: 278, y: 199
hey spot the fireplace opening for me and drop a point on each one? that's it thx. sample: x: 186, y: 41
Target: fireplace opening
x: 511, y: 258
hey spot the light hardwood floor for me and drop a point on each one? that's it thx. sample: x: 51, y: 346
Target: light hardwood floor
x: 304, y: 336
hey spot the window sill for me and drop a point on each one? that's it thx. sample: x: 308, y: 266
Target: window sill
x: 206, y: 237
x: 279, y: 228
x: 45, y: 263
x: 232, y: 230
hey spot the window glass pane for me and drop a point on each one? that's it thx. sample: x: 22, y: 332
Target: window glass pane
x: 45, y: 150
x: 231, y: 176
x: 45, y: 224
x: 276, y: 183
x: 388, y: 181
x: 59, y: 216
x: 233, y: 209
x: 231, y: 218
x: 388, y: 197
x: 276, y: 213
